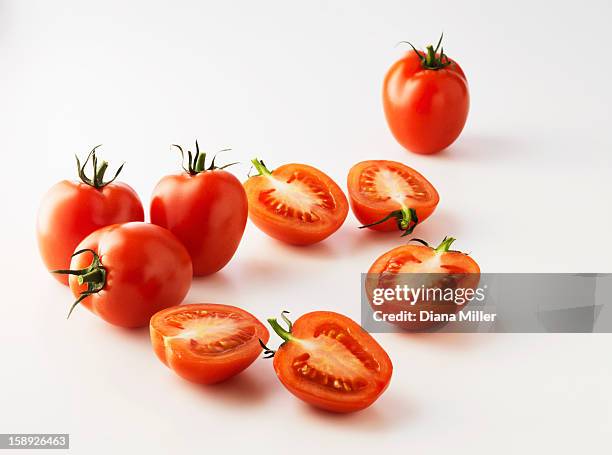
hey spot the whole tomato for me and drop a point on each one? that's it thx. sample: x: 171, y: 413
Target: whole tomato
x: 205, y: 208
x: 71, y: 210
x: 125, y: 273
x: 426, y: 100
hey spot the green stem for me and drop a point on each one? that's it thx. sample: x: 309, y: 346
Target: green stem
x: 200, y: 163
x: 280, y: 331
x: 261, y: 167
x: 93, y: 275
x: 445, y: 245
x: 96, y: 276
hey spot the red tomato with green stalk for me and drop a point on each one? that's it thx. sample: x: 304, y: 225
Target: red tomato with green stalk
x: 390, y: 196
x: 125, y: 273
x: 422, y: 266
x: 295, y: 203
x: 72, y: 210
x: 329, y: 361
x: 205, y: 208
x: 426, y: 100
x: 205, y: 342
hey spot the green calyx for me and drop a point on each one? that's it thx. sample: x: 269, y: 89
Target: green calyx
x: 197, y: 161
x: 99, y: 169
x: 406, y: 219
x: 444, y: 246
x: 285, y: 334
x: 260, y: 167
x: 430, y: 59
x: 94, y: 275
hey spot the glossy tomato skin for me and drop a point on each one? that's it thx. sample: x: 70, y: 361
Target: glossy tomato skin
x: 70, y: 211
x: 178, y: 354
x: 291, y: 229
x: 207, y: 212
x: 370, y: 206
x: 388, y: 271
x: 147, y: 269
x: 311, y: 327
x: 426, y: 110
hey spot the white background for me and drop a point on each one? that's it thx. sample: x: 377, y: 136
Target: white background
x: 526, y: 188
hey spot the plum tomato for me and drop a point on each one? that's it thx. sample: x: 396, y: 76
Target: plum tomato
x: 421, y: 266
x: 296, y: 203
x: 387, y: 196
x: 205, y: 342
x: 125, y: 273
x: 426, y: 100
x: 329, y: 361
x: 71, y: 210
x: 205, y: 208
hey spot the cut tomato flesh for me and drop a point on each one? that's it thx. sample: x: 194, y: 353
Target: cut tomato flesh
x: 298, y: 196
x: 335, y: 360
x: 209, y: 332
x: 384, y: 183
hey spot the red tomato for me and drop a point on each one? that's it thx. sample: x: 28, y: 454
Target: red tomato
x: 329, y: 361
x: 426, y: 100
x: 422, y: 265
x: 295, y: 203
x: 125, y: 273
x: 206, y: 209
x: 387, y: 196
x: 206, y: 342
x: 72, y: 210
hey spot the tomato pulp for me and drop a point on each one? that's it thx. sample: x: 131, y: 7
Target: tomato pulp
x: 206, y: 209
x: 206, y: 343
x: 296, y: 203
x: 125, y: 273
x: 387, y: 195
x: 329, y: 361
x: 71, y: 210
x: 426, y: 100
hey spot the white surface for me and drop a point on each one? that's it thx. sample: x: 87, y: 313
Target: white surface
x: 526, y: 188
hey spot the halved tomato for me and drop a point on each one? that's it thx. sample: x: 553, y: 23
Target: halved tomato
x: 387, y: 195
x: 329, y: 361
x: 295, y: 203
x: 206, y: 342
x: 442, y: 276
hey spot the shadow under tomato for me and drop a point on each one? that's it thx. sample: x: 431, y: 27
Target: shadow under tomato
x: 248, y: 388
x: 443, y: 340
x: 386, y: 412
x: 483, y: 148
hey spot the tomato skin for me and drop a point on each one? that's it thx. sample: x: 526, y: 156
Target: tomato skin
x: 207, y: 212
x: 417, y: 259
x: 331, y: 400
x: 292, y: 230
x: 368, y: 211
x: 213, y: 368
x: 425, y: 109
x: 70, y: 211
x: 147, y: 269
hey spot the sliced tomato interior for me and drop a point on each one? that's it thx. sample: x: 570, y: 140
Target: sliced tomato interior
x: 335, y: 360
x: 299, y: 195
x: 386, y: 181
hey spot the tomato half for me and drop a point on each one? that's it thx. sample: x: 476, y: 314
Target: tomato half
x: 295, y: 203
x: 387, y: 195
x: 206, y: 342
x: 422, y: 266
x: 426, y: 100
x: 206, y: 208
x: 329, y: 361
x: 125, y: 273
x: 70, y: 211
